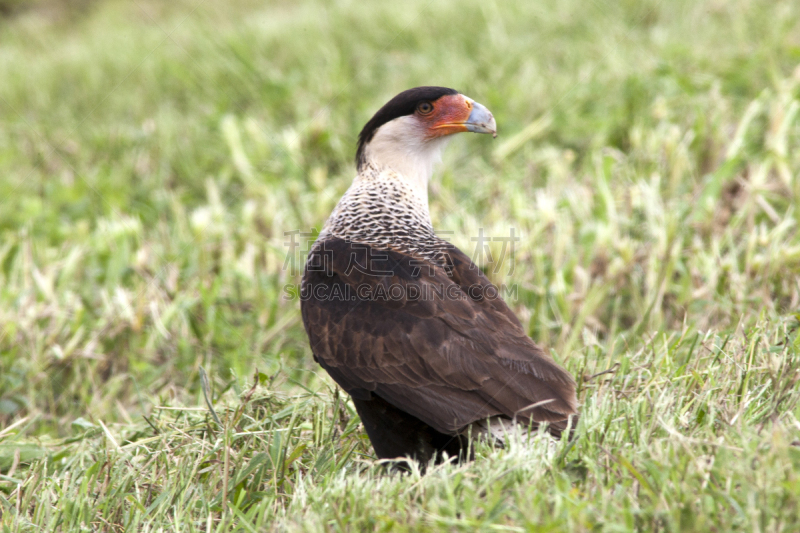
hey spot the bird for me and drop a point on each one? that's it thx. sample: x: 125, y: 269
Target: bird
x: 405, y: 322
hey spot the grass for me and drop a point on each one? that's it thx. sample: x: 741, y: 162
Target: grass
x: 154, y: 157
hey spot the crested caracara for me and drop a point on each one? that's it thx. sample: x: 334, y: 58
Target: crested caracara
x: 401, y: 319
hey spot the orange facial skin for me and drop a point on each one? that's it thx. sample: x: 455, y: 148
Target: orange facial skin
x: 450, y: 114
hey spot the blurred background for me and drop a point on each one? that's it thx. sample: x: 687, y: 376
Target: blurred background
x: 163, y: 165
x: 154, y: 155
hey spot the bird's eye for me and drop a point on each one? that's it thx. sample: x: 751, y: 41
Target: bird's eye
x: 425, y: 108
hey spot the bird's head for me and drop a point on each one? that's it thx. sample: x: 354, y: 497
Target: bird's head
x: 408, y: 133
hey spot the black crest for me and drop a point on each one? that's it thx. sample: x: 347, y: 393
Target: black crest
x: 403, y: 104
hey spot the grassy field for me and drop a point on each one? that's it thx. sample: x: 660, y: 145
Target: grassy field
x: 154, y: 156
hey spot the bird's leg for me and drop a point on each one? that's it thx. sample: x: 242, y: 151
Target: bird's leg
x: 396, y: 434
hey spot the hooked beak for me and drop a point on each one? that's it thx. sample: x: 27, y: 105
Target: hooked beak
x: 481, y: 120
x: 458, y: 113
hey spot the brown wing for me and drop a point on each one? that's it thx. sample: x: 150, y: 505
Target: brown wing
x: 442, y: 346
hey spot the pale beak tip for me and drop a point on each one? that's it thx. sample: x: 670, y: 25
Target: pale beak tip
x: 481, y: 120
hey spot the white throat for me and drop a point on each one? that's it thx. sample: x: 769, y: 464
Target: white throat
x: 400, y: 146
